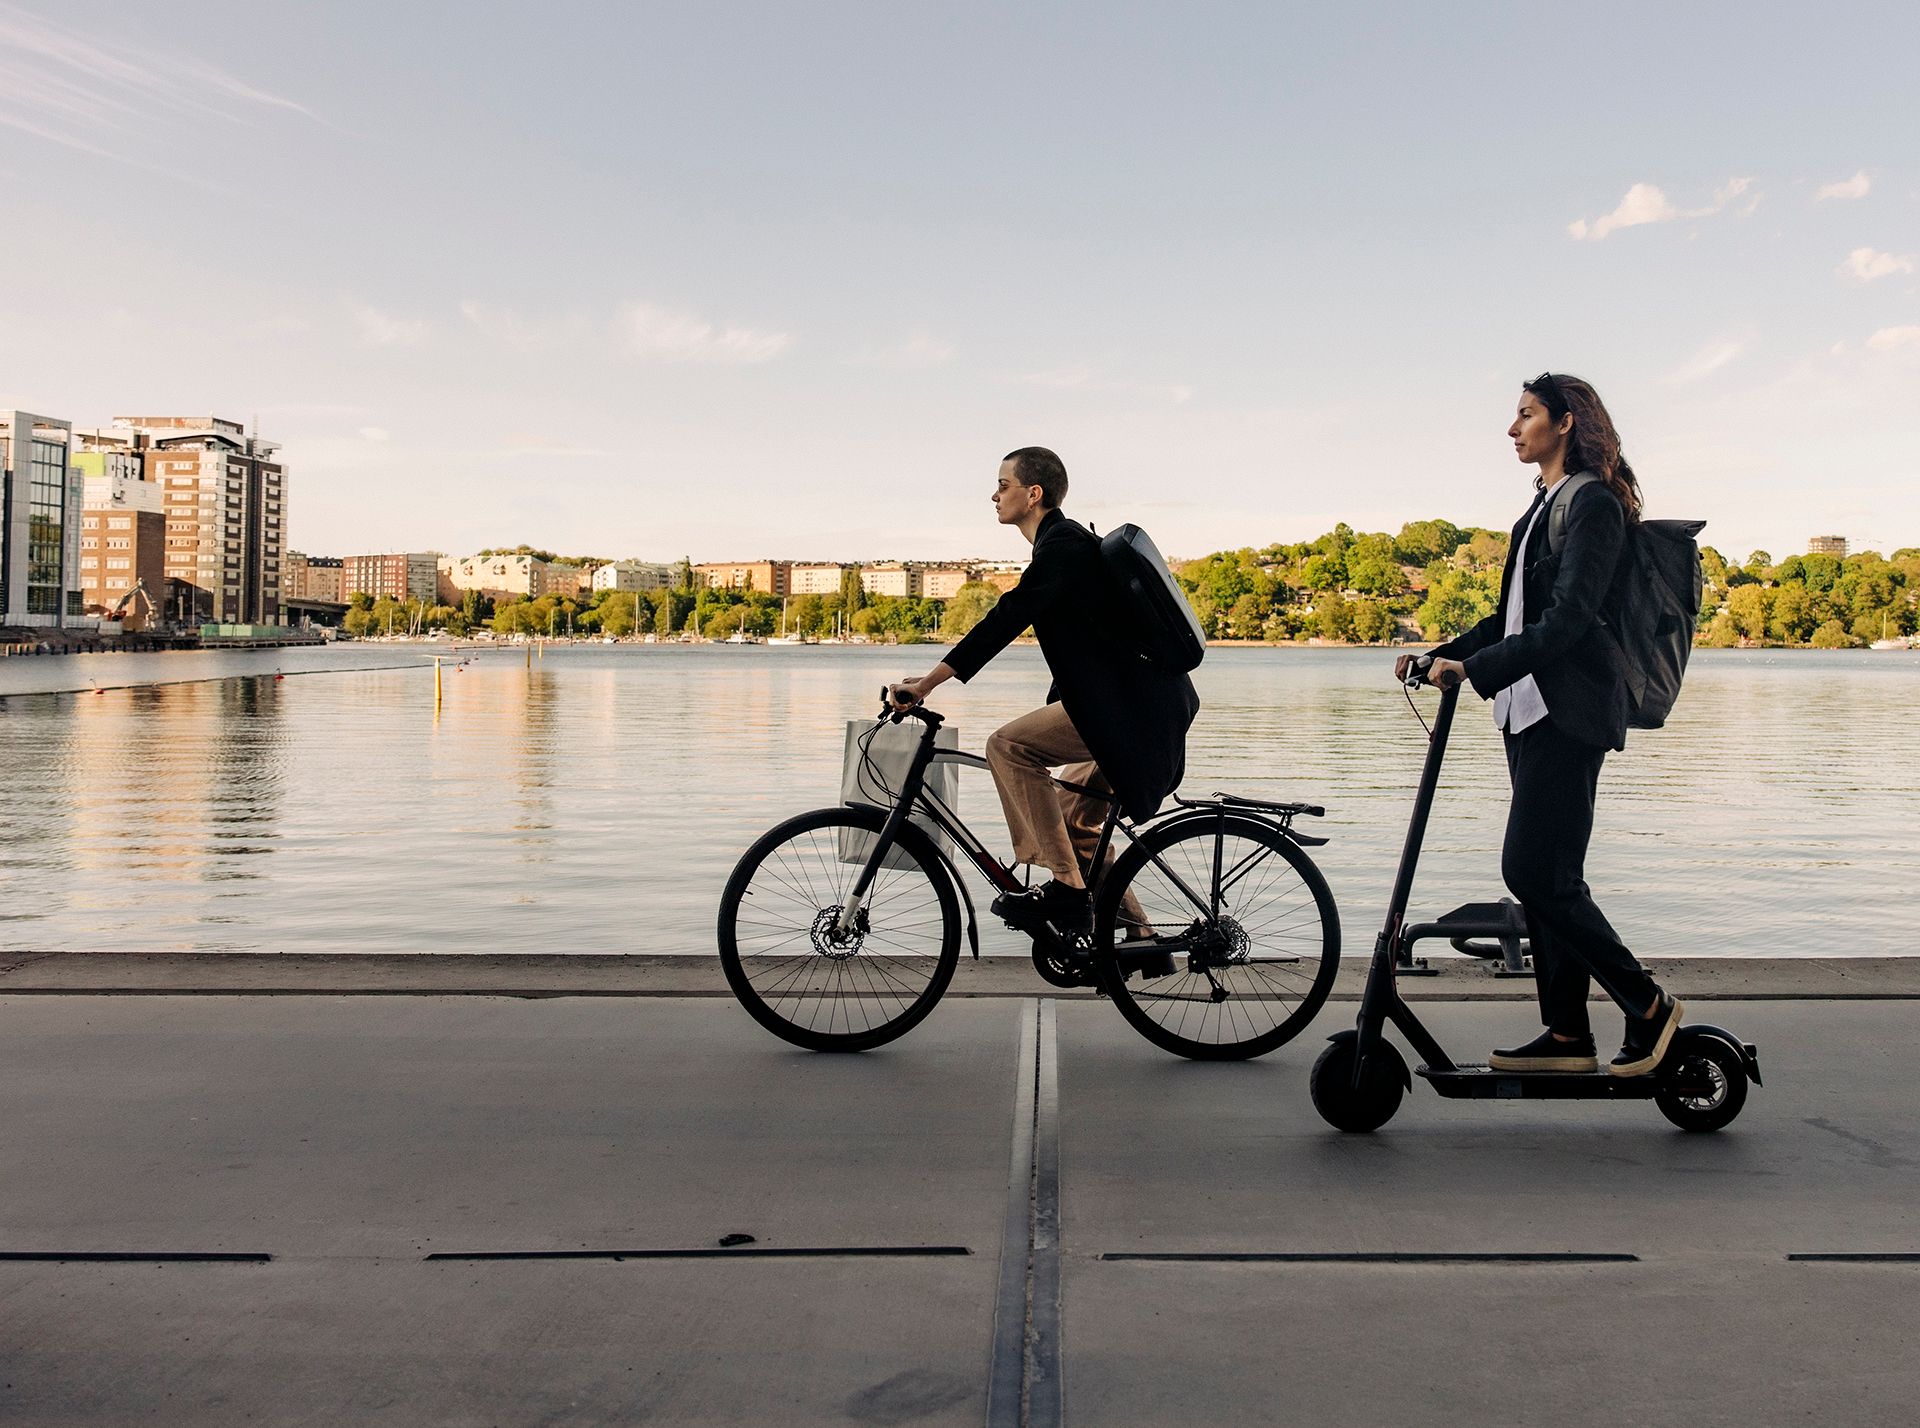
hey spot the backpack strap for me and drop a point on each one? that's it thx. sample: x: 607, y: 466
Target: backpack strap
x: 1557, y: 508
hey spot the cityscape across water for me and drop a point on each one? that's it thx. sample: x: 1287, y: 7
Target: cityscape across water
x: 592, y: 799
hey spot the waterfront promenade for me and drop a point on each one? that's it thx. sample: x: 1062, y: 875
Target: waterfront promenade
x: 332, y: 1145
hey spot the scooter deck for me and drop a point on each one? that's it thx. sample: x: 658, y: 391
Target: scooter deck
x: 1483, y: 1083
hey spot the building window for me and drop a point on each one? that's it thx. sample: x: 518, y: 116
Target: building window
x: 46, y: 526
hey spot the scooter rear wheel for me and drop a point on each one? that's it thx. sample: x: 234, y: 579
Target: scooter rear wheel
x: 1705, y: 1084
x: 1369, y: 1105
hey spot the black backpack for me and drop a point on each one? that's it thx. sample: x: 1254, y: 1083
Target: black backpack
x: 1161, y: 626
x: 1658, y: 605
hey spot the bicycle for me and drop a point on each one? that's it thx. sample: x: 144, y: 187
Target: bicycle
x: 839, y: 929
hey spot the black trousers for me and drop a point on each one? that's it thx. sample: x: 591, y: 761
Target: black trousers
x: 1544, y: 864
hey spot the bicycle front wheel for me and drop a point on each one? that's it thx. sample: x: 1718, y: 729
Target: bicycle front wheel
x: 791, y: 967
x: 1247, y: 922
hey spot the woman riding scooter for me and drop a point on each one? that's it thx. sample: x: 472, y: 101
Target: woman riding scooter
x: 1557, y: 679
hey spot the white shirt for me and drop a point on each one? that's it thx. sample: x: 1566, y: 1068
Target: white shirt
x: 1520, y: 705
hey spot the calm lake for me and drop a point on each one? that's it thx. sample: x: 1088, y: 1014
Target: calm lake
x: 595, y: 802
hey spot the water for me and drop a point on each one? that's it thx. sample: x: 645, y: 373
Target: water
x: 596, y: 802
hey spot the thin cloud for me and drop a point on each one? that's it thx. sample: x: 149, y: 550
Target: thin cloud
x: 86, y: 93
x: 1708, y: 360
x: 1644, y: 203
x: 376, y: 433
x: 918, y: 351
x: 525, y: 334
x: 658, y: 334
x: 1864, y: 265
x: 1887, y: 339
x: 378, y: 328
x: 1855, y: 187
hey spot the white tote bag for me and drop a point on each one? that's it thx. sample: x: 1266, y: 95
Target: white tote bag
x: 874, y: 768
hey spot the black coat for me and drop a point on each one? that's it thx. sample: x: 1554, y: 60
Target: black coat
x: 1565, y: 644
x: 1133, y: 717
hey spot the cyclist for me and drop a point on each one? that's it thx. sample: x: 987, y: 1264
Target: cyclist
x: 1116, y: 723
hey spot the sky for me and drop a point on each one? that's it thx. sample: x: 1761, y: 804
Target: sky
x: 737, y: 281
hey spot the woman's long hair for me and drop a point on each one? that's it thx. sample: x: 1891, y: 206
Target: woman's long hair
x: 1593, y: 444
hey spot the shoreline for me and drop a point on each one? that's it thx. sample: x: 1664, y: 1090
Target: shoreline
x: 540, y: 975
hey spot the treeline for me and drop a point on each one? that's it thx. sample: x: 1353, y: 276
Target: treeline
x: 1430, y: 581
x: 1434, y: 579
x: 1818, y: 600
x: 714, y: 614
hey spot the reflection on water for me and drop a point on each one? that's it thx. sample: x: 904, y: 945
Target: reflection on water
x: 595, y: 801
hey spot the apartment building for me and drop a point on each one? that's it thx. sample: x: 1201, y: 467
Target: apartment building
x: 41, y: 498
x: 632, y: 575
x: 569, y: 579
x: 943, y: 582
x: 123, y: 530
x: 313, y: 577
x: 1002, y: 575
x: 815, y: 579
x: 769, y: 577
x: 413, y: 575
x: 225, y: 500
x: 498, y: 577
x: 1828, y: 545
x: 892, y: 577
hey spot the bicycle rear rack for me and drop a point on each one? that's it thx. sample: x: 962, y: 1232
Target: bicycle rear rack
x: 1284, y: 813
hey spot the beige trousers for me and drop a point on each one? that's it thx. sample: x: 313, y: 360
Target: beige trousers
x: 1053, y: 827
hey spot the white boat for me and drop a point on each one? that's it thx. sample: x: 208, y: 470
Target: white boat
x: 1891, y: 645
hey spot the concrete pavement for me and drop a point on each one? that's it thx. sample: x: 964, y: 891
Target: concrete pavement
x: 351, y: 1137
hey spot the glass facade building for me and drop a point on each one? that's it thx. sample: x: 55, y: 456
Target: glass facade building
x: 40, y: 499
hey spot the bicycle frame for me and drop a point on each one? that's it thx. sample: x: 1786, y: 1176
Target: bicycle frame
x: 915, y: 796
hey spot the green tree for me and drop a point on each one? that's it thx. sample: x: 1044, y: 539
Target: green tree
x: 853, y: 595
x: 358, y: 621
x: 1421, y: 543
x: 1750, y: 607
x: 1333, y: 618
x: 1833, y: 636
x: 1792, y: 618
x: 1456, y: 600
x: 1373, y: 622
x: 1248, y: 615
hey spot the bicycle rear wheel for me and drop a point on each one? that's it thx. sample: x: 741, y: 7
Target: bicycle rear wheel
x: 1248, y: 921
x: 794, y: 973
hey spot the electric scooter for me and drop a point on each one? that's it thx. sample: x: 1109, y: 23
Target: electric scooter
x: 1699, y: 1085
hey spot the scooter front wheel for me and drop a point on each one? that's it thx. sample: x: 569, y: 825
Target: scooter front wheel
x: 1365, y: 1107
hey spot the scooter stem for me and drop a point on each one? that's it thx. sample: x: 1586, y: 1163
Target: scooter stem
x: 1422, y: 806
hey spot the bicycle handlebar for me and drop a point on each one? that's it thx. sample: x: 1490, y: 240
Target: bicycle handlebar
x: 894, y: 713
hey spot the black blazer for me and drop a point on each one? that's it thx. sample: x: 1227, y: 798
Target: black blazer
x: 1565, y: 644
x: 1133, y: 717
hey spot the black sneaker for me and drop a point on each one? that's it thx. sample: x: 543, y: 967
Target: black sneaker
x: 1052, y: 905
x: 1546, y: 1052
x: 1647, y: 1039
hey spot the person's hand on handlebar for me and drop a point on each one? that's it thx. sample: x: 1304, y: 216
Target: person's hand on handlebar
x: 909, y: 692
x: 1442, y: 673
